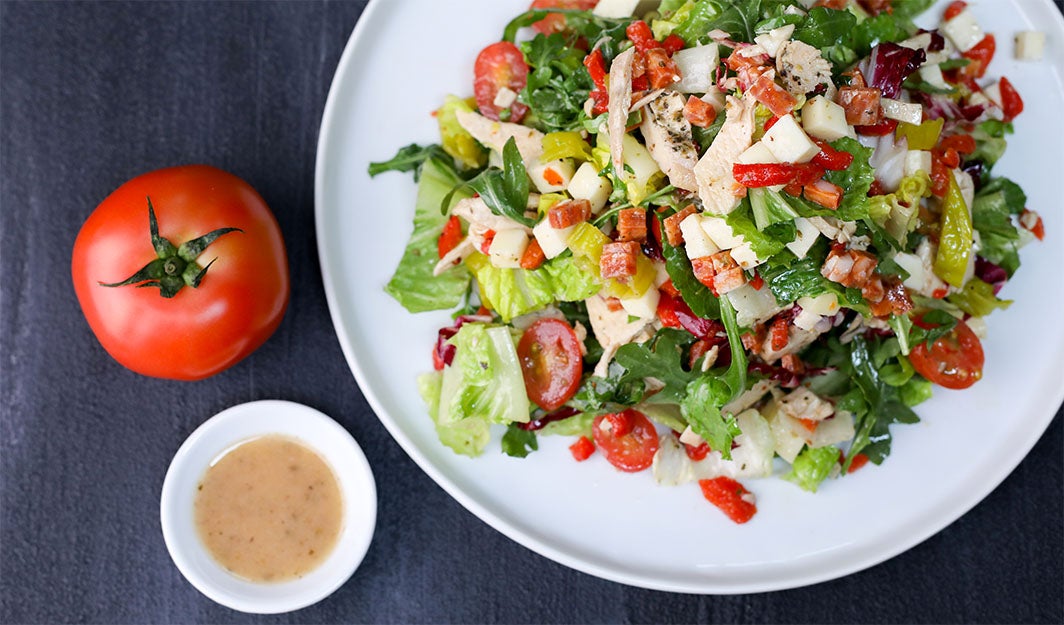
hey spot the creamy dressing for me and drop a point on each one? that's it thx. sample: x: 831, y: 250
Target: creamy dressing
x: 269, y: 509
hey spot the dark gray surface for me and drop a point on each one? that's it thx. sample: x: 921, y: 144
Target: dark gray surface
x: 93, y: 94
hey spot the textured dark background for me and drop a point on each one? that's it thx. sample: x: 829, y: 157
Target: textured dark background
x: 93, y: 94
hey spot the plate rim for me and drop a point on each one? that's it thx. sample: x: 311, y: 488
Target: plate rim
x: 869, y: 556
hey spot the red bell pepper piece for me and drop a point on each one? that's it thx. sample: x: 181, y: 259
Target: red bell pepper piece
x: 771, y: 174
x: 640, y: 35
x: 582, y: 449
x: 1011, y: 102
x: 830, y: 158
x: 728, y: 495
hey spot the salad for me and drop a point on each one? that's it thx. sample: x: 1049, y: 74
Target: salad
x: 717, y: 240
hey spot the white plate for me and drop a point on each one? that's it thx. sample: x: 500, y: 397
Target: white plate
x: 399, y: 63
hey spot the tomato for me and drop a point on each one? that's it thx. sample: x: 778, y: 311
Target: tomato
x: 551, y: 362
x: 497, y: 66
x: 1011, y: 102
x: 582, y: 449
x: 555, y: 22
x: 183, y: 326
x: 634, y: 450
x: 953, y: 361
x: 980, y: 56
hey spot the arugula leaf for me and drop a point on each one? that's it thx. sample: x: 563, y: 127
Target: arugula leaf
x: 412, y: 158
x: 885, y: 406
x: 596, y: 394
x: 557, y: 86
x: 824, y: 27
x: 661, y: 357
x: 992, y: 213
x: 739, y: 19
x: 765, y: 243
x: 505, y: 190
x: 698, y: 297
x: 518, y: 443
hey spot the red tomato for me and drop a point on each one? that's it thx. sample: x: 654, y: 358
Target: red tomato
x: 551, y: 362
x: 953, y: 361
x: 500, y: 65
x: 1011, y: 102
x: 730, y: 496
x: 206, y: 327
x: 634, y: 451
x: 582, y: 449
x: 555, y: 22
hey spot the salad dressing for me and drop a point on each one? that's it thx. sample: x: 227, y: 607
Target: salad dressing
x: 269, y: 509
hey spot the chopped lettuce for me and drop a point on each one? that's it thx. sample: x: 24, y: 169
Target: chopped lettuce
x: 992, y: 212
x: 812, y: 467
x: 514, y: 292
x: 457, y: 141
x: 413, y: 284
x: 481, y: 386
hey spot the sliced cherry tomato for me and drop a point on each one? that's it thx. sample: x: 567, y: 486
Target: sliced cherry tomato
x: 582, y: 449
x: 954, y: 9
x: 500, y: 65
x: 551, y: 362
x: 1011, y: 102
x: 731, y: 497
x: 555, y: 22
x: 450, y: 237
x: 953, y: 361
x: 634, y: 451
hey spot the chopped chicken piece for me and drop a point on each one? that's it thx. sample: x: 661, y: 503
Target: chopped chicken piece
x: 802, y: 403
x: 668, y: 137
x: 477, y: 214
x: 716, y: 185
x: 495, y: 134
x: 803, y: 69
x: 620, y: 100
x: 612, y: 329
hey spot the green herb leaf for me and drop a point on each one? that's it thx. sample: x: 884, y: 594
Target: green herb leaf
x: 518, y: 443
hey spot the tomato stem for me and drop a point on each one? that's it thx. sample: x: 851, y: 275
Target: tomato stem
x: 175, y: 267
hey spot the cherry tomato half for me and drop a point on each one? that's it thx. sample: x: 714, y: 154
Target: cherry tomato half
x: 199, y: 308
x: 500, y: 65
x: 953, y: 361
x: 555, y: 22
x: 633, y: 451
x: 551, y: 362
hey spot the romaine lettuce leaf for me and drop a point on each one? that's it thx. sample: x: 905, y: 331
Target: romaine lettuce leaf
x: 515, y: 292
x: 812, y: 467
x: 413, y: 284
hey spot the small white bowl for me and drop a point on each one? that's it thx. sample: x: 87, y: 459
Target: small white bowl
x: 221, y: 432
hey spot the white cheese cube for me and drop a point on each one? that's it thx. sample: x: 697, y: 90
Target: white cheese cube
x: 757, y: 153
x: 835, y: 430
x: 721, y: 233
x: 825, y: 304
x: 804, y: 237
x: 825, y: 120
x: 993, y: 92
x: 552, y: 241
x: 908, y: 112
x: 788, y: 142
x: 963, y: 30
x: 586, y: 184
x: 618, y: 9
x: 696, y: 242
x: 645, y: 306
x: 698, y: 68
x: 507, y: 248
x: 932, y: 75
x: 917, y: 160
x: 806, y: 320
x: 744, y: 255
x: 504, y: 98
x: 978, y: 326
x: 773, y: 39
x: 715, y: 98
x: 553, y: 176
x: 752, y: 305
x: 1030, y: 45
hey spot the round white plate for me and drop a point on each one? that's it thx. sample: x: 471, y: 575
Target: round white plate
x: 400, y: 62
x: 220, y: 434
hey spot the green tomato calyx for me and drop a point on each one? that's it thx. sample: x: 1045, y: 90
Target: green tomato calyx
x: 175, y: 267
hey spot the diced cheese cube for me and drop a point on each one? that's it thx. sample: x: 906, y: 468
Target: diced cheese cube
x: 698, y: 68
x: 507, y: 247
x: 788, y: 142
x: 804, y: 237
x: 617, y: 9
x: 825, y: 304
x: 696, y: 242
x: 993, y: 92
x: 586, y: 184
x: 1030, y: 45
x: 963, y: 30
x: 645, y: 306
x: 744, y: 255
x: 908, y: 112
x: 835, y: 430
x: 752, y: 305
x: 553, y: 176
x: 720, y: 232
x: 825, y: 120
x: 715, y: 98
x: 773, y: 39
x: 551, y: 240
x: 504, y: 98
x: 932, y: 75
x: 806, y: 320
x: 978, y: 326
x: 917, y: 160
x: 757, y: 153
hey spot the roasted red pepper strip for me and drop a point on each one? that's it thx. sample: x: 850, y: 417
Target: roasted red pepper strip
x: 830, y: 158
x: 596, y: 67
x: 1011, y: 102
x: 771, y: 174
x: 640, y: 35
x: 728, y: 495
x: 673, y: 44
